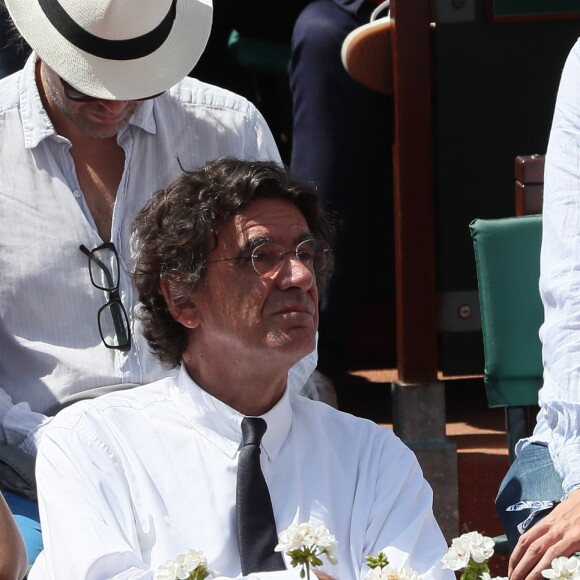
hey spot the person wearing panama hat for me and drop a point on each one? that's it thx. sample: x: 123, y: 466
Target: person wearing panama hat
x: 116, y: 50
x: 102, y: 115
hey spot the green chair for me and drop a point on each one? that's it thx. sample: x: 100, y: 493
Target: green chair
x: 507, y: 255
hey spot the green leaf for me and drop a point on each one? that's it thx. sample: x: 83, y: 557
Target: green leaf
x: 378, y: 561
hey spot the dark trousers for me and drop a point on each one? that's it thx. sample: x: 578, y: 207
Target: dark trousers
x: 342, y: 143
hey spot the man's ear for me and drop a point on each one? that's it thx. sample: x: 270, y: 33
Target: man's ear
x: 185, y: 312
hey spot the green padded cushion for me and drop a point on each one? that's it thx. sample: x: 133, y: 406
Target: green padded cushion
x: 259, y: 55
x: 501, y: 545
x: 507, y: 254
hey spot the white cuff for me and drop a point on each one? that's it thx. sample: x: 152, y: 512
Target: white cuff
x: 22, y: 427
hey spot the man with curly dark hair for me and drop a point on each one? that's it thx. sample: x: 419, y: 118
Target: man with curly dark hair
x: 229, y: 261
x: 174, y: 247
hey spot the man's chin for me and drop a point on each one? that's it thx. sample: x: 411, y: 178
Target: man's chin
x: 296, y: 342
x: 101, y: 131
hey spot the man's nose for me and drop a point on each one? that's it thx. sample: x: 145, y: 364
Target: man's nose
x: 294, y: 272
x: 114, y: 106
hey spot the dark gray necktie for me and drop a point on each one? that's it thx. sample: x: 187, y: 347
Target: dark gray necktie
x: 257, y: 535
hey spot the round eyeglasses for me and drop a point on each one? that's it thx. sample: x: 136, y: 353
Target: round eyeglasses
x: 267, y: 258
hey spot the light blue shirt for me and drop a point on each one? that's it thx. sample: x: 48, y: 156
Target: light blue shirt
x: 132, y: 479
x: 49, y: 339
x: 558, y: 423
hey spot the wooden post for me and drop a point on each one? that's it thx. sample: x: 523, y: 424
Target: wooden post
x: 418, y: 398
x: 416, y: 302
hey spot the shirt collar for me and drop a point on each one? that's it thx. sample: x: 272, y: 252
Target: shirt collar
x: 36, y: 123
x: 144, y: 118
x: 221, y: 424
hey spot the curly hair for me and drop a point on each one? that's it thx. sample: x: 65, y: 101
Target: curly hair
x: 174, y: 233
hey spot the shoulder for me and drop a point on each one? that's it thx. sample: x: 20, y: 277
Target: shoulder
x: 201, y: 122
x: 111, y: 408
x: 193, y: 94
x: 575, y: 50
x: 343, y: 427
x: 351, y: 441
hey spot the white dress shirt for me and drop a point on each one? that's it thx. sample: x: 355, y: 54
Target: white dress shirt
x: 49, y: 339
x: 134, y: 478
x: 559, y: 418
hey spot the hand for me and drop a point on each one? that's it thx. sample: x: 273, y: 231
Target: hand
x: 557, y: 534
x: 323, y: 576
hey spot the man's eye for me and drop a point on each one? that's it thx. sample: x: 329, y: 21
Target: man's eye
x: 260, y: 256
x: 305, y: 256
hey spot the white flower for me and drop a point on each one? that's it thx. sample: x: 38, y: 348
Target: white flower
x: 409, y: 574
x: 456, y: 558
x: 188, y: 562
x: 166, y: 571
x: 384, y: 573
x: 388, y: 573
x: 468, y: 546
x: 479, y: 547
x: 563, y: 568
x: 488, y: 576
x: 306, y: 535
x: 305, y: 543
x: 191, y: 563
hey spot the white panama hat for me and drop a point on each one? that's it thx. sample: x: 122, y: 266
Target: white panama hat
x: 116, y: 49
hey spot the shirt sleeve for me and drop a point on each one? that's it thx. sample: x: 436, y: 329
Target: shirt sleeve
x: 559, y: 397
x: 400, y: 519
x: 19, y: 426
x: 259, y: 141
x: 86, y: 498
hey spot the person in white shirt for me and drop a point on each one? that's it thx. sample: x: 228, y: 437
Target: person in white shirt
x: 229, y: 262
x: 544, y: 481
x: 101, y: 116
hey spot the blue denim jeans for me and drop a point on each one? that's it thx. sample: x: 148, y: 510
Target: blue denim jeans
x: 530, y: 478
x: 25, y: 513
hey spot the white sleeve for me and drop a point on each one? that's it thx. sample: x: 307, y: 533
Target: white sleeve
x: 81, y: 488
x: 400, y: 520
x: 259, y: 141
x: 19, y: 426
x: 560, y: 278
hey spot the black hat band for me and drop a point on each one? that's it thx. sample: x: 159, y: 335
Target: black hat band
x: 129, y: 49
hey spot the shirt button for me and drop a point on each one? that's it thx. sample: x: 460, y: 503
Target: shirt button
x: 77, y: 193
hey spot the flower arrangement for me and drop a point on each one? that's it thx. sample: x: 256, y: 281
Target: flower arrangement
x: 305, y: 543
x: 470, y: 554
x: 189, y: 566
